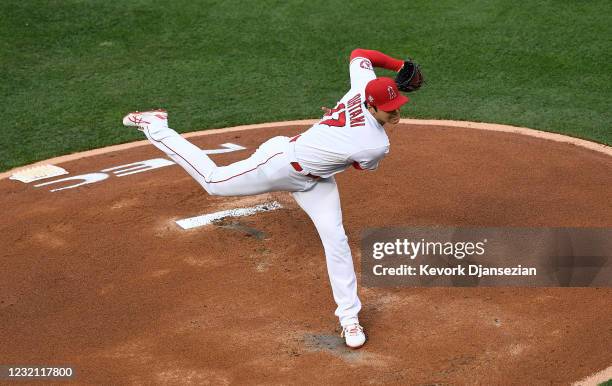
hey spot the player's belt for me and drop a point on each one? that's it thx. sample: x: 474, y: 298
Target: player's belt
x: 299, y: 168
x: 296, y: 165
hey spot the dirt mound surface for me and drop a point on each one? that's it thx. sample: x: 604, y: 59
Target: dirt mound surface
x: 101, y: 278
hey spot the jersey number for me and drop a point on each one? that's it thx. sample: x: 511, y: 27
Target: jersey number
x: 341, y: 121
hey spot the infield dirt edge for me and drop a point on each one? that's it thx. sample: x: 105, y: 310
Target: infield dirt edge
x: 428, y: 122
x: 593, y: 379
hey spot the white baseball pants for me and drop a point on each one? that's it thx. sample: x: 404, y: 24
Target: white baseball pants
x: 268, y: 170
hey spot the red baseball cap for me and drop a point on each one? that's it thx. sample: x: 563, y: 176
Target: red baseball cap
x: 383, y: 94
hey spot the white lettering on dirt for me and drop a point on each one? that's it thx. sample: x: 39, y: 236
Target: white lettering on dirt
x: 85, y: 179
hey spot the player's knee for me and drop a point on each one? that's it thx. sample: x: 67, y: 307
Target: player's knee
x: 210, y: 188
x: 341, y: 239
x: 332, y: 232
x: 217, y: 189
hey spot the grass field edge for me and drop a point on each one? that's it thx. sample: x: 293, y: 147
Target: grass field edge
x: 602, y: 377
x: 594, y: 146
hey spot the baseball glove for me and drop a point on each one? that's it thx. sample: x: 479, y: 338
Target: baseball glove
x: 409, y: 78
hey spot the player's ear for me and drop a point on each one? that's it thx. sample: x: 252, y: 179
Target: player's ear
x: 367, y: 106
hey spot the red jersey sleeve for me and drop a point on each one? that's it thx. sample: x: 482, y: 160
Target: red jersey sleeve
x: 378, y: 59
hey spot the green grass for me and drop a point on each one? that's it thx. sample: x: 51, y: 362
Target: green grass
x: 71, y: 69
x: 606, y: 383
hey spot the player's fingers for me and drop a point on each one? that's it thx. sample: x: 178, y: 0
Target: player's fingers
x: 325, y: 109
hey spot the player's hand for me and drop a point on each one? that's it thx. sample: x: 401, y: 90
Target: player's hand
x: 326, y: 110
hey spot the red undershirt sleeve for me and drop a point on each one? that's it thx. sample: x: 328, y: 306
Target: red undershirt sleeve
x: 378, y: 59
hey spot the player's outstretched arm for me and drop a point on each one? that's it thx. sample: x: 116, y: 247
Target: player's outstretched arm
x: 409, y: 77
x: 362, y: 65
x: 378, y: 59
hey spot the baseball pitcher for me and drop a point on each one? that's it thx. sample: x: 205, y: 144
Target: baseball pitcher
x: 350, y: 134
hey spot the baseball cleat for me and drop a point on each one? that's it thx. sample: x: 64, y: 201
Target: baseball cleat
x: 142, y: 120
x: 353, y: 335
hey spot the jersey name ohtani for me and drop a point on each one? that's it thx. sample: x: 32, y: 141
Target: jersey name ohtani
x: 355, y: 111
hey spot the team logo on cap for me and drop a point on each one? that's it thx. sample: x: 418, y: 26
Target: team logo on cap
x: 371, y: 99
x: 392, y: 94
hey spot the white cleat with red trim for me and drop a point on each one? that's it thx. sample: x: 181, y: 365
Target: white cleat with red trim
x: 145, y: 119
x: 353, y: 335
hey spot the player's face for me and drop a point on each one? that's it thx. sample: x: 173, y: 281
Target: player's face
x: 393, y: 116
x: 383, y: 117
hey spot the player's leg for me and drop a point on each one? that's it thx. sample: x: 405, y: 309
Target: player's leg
x: 322, y: 204
x: 190, y: 157
x: 154, y: 124
x: 266, y: 170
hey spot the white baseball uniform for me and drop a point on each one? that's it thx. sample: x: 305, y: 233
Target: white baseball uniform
x: 305, y: 166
